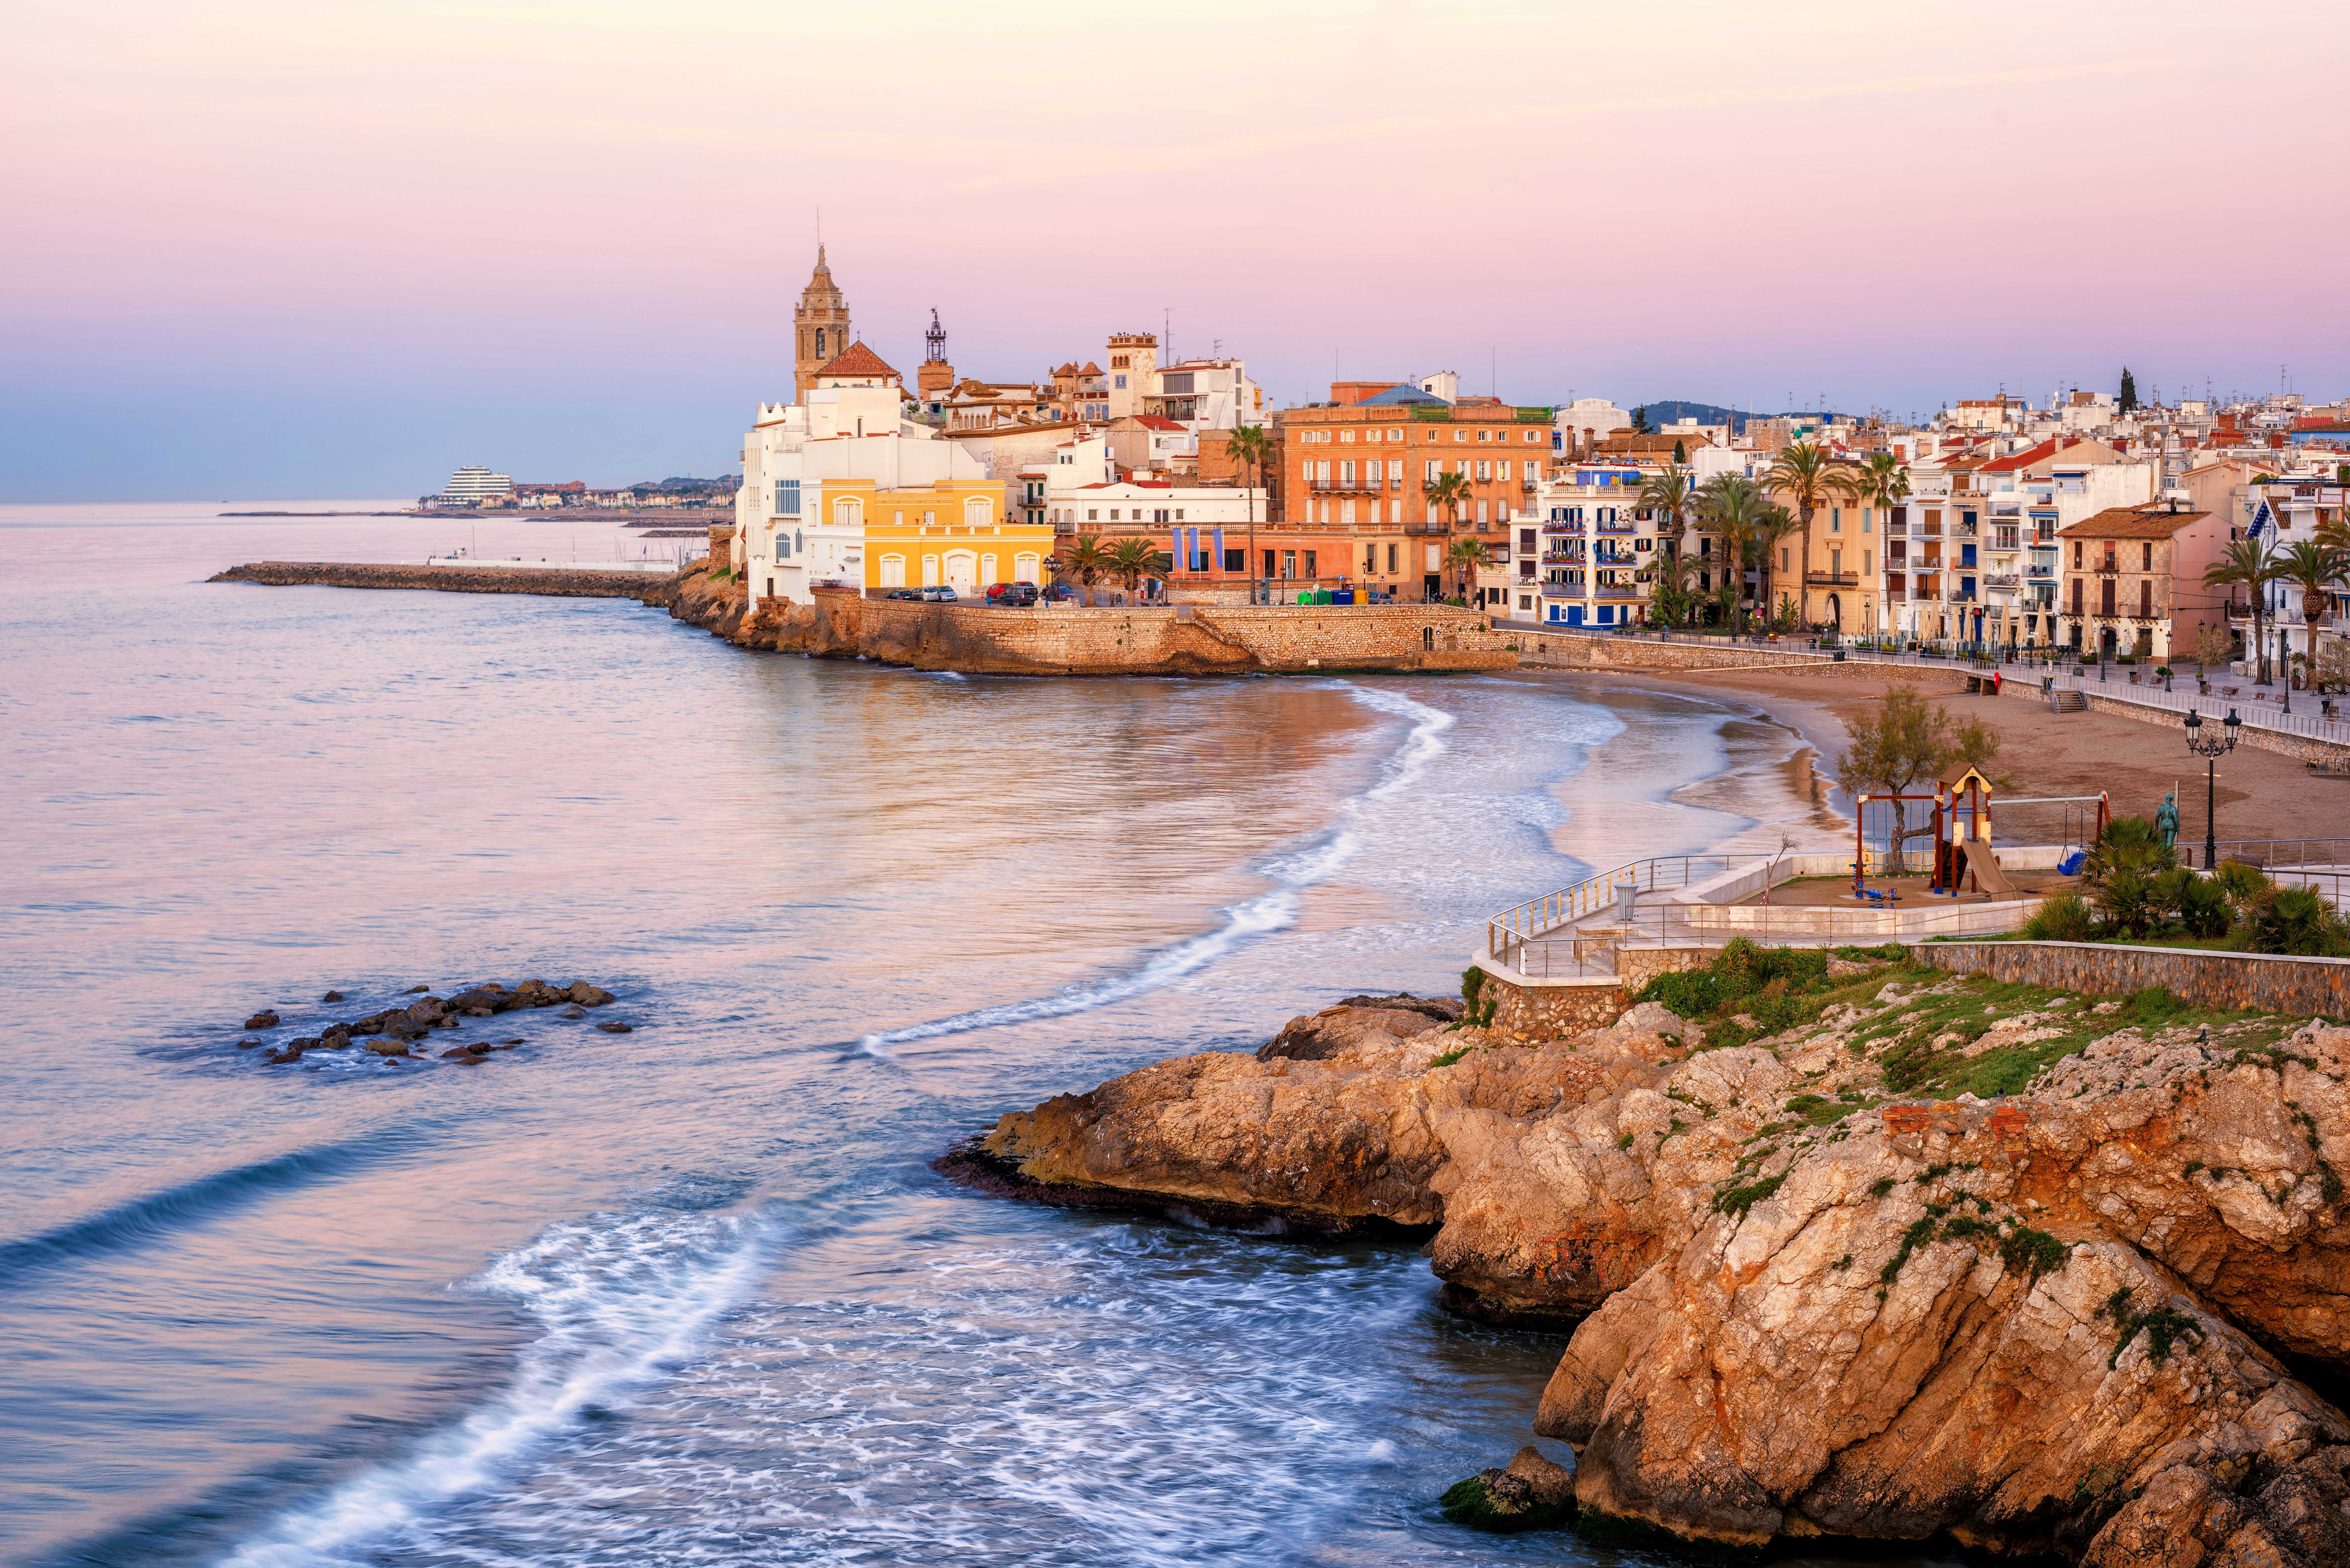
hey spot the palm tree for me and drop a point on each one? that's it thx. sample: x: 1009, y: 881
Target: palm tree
x: 1464, y: 557
x: 1671, y: 571
x: 1084, y: 558
x: 2314, y: 568
x: 1671, y: 494
x: 2251, y: 565
x: 1133, y: 558
x: 1883, y: 483
x: 1250, y: 449
x: 1809, y: 477
x: 1449, y: 491
x: 1774, y: 524
x: 1734, y: 507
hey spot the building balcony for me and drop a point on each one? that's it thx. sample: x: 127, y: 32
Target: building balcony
x: 1560, y: 558
x: 1565, y: 590
x: 2041, y: 574
x: 1616, y: 591
x: 1832, y: 579
x: 1615, y: 530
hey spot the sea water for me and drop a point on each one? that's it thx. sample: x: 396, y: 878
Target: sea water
x: 692, y: 1294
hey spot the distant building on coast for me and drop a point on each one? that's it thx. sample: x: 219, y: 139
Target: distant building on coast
x: 471, y: 486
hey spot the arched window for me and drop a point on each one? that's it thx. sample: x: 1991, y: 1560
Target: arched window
x: 894, y: 571
x: 782, y: 544
x: 848, y: 511
x: 976, y: 514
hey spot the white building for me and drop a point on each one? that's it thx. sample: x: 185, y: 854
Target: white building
x: 471, y: 485
x: 1588, y: 420
x: 1206, y: 395
x: 818, y: 475
x: 1593, y: 547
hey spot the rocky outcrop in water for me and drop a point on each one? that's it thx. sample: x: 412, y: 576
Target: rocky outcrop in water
x: 2065, y: 1320
x: 393, y: 1031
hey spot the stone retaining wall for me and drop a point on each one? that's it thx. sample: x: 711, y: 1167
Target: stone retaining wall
x: 2271, y: 984
x: 551, y: 581
x: 1529, y: 1013
x: 1064, y: 640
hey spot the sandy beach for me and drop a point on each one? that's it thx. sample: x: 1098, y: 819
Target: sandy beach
x: 2260, y: 794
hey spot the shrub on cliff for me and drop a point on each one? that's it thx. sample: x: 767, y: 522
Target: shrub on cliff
x: 2295, y: 920
x: 2067, y: 917
x: 1745, y: 977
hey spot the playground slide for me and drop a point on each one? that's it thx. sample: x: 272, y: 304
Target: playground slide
x: 1985, y: 866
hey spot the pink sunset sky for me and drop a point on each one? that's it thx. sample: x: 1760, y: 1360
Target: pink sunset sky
x: 263, y: 249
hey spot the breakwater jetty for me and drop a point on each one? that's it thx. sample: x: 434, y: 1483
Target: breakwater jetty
x: 560, y: 582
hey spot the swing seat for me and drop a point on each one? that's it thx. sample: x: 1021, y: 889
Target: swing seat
x: 2071, y: 865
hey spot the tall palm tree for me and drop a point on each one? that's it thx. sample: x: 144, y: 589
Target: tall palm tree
x: 2252, y: 566
x: 1883, y: 480
x: 1131, y: 559
x: 2314, y: 568
x: 1084, y: 559
x: 1734, y: 507
x: 1774, y: 524
x: 1250, y: 449
x: 1451, y: 490
x: 1806, y: 475
x: 1671, y: 494
x: 1464, y: 557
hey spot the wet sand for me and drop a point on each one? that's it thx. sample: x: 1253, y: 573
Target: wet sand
x: 2261, y: 795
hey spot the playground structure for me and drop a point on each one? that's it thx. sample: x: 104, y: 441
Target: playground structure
x: 1958, y: 826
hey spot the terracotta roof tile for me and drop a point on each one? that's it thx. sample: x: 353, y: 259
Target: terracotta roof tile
x: 2131, y: 522
x: 855, y: 359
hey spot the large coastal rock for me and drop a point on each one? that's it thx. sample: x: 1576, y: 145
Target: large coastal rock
x: 2064, y: 1320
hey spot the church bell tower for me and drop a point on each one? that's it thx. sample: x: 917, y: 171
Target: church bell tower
x: 820, y: 327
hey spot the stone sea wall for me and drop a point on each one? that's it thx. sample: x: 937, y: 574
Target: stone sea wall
x: 552, y: 581
x: 2304, y: 986
x: 1066, y: 640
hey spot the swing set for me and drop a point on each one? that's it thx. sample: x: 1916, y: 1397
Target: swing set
x: 1957, y: 825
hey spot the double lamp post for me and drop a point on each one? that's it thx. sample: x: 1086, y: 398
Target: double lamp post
x: 2210, y: 749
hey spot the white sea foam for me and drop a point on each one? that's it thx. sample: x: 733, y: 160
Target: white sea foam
x: 1274, y: 910
x: 622, y: 1302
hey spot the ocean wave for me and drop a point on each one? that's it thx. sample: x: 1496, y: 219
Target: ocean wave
x: 1316, y: 860
x: 156, y: 1215
x: 623, y: 1302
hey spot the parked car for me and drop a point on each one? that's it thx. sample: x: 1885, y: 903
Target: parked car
x: 1016, y: 595
x: 903, y: 594
x: 943, y: 594
x: 1059, y: 593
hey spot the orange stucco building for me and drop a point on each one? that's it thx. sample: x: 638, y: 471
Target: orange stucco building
x: 1348, y: 500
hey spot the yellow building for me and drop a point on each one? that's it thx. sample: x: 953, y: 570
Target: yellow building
x: 955, y: 531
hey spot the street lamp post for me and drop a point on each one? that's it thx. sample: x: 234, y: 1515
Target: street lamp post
x: 2284, y: 664
x: 2210, y: 749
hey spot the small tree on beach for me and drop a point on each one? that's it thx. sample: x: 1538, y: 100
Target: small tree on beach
x: 1905, y: 740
